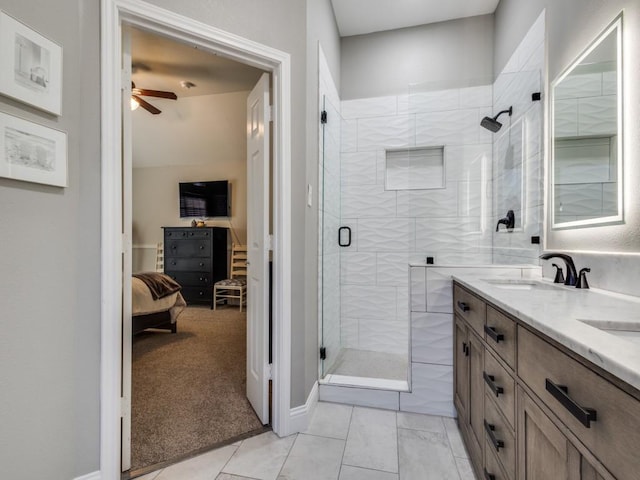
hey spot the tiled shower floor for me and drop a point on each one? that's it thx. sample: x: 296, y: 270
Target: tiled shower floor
x: 365, y: 363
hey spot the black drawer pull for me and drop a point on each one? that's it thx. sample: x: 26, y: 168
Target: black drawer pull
x: 202, y: 264
x: 201, y: 293
x: 463, y: 306
x: 490, y: 380
x: 488, y: 476
x: 201, y: 247
x: 173, y: 263
x: 191, y: 233
x: 493, y: 333
x: 465, y: 349
x: 498, y: 444
x: 561, y: 393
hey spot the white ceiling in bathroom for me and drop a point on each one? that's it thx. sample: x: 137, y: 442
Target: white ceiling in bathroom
x: 357, y: 17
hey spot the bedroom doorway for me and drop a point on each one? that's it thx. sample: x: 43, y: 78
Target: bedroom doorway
x: 214, y: 135
x: 117, y: 242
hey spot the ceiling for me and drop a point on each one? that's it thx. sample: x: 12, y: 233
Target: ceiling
x: 357, y: 17
x: 161, y: 64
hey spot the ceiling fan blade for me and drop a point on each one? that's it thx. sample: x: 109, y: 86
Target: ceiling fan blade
x: 154, y: 93
x: 146, y: 105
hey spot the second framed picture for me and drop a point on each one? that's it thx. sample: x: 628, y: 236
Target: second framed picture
x: 30, y: 66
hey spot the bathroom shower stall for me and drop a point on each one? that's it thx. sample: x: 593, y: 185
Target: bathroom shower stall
x: 416, y: 179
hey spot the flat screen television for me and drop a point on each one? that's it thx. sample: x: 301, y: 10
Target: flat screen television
x: 205, y: 199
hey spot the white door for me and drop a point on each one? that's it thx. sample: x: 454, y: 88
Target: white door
x: 258, y: 209
x: 127, y: 206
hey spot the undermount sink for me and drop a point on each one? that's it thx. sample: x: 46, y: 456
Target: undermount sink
x: 519, y: 284
x: 629, y: 329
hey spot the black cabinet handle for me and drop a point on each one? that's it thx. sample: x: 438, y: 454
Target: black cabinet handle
x: 490, y: 380
x: 561, y: 393
x: 465, y: 349
x: 202, y: 264
x: 201, y: 293
x: 493, y: 333
x: 173, y: 263
x: 488, y: 476
x: 201, y: 247
x: 191, y: 233
x: 463, y: 306
x: 498, y: 444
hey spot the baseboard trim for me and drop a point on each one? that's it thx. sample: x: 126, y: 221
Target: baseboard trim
x: 299, y: 417
x: 90, y: 476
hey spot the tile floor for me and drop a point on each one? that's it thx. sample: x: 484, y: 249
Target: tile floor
x: 364, y: 363
x: 341, y: 443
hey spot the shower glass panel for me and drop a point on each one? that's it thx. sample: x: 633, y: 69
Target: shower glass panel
x: 329, y: 281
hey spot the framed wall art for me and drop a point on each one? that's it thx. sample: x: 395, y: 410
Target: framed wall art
x: 32, y: 152
x: 30, y: 66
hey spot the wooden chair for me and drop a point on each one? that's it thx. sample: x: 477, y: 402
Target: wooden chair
x: 160, y: 257
x: 236, y: 285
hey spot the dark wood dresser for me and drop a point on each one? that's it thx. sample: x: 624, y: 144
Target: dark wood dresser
x: 196, y: 258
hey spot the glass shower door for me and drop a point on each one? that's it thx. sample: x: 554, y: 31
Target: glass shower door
x: 329, y: 278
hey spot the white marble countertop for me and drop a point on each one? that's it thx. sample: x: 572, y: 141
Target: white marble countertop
x: 557, y: 311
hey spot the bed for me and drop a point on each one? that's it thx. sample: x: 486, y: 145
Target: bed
x: 156, y: 302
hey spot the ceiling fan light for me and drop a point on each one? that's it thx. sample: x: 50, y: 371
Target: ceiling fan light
x: 134, y: 104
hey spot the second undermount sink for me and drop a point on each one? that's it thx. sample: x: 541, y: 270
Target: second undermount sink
x: 519, y: 284
x: 629, y: 329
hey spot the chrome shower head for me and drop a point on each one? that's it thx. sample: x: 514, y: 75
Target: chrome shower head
x: 492, y: 124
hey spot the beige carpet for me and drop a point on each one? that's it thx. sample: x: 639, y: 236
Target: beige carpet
x: 188, y: 388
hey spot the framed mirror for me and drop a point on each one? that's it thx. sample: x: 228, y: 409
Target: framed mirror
x: 586, y: 136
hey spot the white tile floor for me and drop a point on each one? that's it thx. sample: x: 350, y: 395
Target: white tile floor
x: 341, y: 443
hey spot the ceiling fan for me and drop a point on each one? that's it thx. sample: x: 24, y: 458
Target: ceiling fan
x: 137, y: 101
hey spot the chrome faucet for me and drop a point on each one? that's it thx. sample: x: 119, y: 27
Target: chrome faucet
x: 572, y: 274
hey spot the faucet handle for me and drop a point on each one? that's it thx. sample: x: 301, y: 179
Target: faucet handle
x: 559, y: 278
x: 582, y: 278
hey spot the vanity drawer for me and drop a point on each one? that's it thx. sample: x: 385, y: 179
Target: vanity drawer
x: 500, y: 334
x: 466, y: 305
x: 500, y: 386
x: 492, y: 468
x: 499, y: 438
x: 614, y: 436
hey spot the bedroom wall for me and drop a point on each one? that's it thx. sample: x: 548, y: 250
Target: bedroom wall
x: 197, y: 138
x: 50, y: 270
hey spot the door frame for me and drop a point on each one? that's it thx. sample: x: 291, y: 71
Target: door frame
x: 164, y: 22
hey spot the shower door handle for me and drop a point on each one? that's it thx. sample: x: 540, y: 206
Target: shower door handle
x: 348, y: 242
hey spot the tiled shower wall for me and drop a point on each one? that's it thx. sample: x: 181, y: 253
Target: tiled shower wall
x: 394, y: 227
x: 518, y: 154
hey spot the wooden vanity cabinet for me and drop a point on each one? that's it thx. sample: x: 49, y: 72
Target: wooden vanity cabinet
x: 510, y: 417
x: 469, y: 389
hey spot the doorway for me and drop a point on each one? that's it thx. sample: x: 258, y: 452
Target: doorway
x: 115, y: 14
x: 188, y: 387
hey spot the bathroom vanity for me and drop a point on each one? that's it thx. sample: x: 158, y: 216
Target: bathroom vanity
x: 547, y: 379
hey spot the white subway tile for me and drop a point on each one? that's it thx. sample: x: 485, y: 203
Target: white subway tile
x: 432, y: 338
x: 386, y: 132
x: 369, y: 107
x: 386, y: 234
x: 431, y: 391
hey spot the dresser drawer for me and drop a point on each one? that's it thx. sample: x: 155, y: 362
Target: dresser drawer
x: 188, y: 248
x: 197, y: 294
x: 175, y: 264
x: 499, y: 437
x: 569, y: 388
x: 501, y: 387
x: 500, y: 334
x: 181, y: 233
x: 466, y: 305
x: 194, y: 279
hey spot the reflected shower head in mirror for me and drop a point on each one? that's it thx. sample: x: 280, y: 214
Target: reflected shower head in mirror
x: 492, y: 124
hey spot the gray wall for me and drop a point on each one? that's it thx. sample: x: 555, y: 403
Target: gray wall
x: 571, y: 26
x: 50, y: 271
x: 453, y: 54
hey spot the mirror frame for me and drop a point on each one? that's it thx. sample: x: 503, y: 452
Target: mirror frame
x: 615, y: 26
